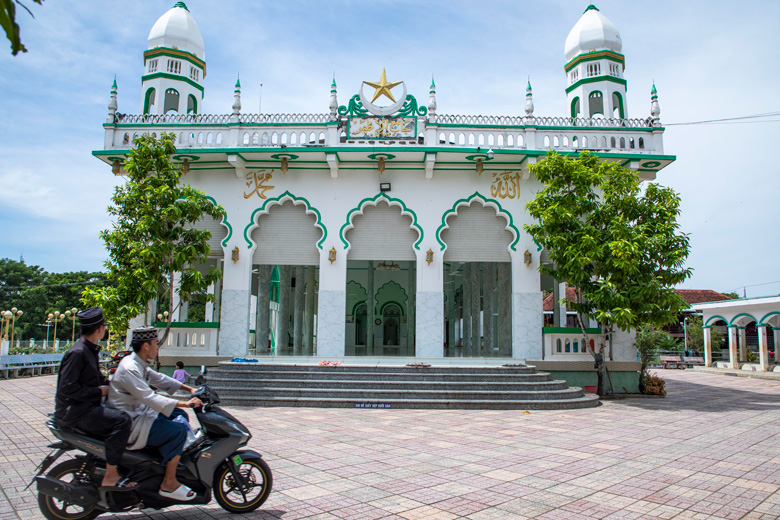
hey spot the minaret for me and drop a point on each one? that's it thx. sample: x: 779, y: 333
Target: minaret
x: 529, y: 100
x: 594, y: 66
x: 112, y: 104
x: 655, y: 109
x: 174, y: 65
x: 236, y: 101
x: 432, y: 102
x: 334, y: 102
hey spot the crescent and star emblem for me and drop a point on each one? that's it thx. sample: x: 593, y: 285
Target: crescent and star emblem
x: 383, y: 87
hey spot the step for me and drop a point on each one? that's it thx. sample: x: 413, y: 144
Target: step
x: 401, y: 394
x: 251, y: 367
x: 586, y: 401
x: 251, y: 384
x: 419, y: 375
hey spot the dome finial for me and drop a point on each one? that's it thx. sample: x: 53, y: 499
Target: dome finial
x: 590, y: 7
x: 432, y: 101
x: 236, y: 100
x: 181, y: 4
x: 334, y: 101
x: 529, y: 99
x: 112, y: 103
x: 655, y: 108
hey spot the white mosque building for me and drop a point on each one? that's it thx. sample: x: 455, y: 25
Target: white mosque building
x: 381, y: 226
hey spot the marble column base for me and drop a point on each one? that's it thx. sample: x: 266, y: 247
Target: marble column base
x: 331, y: 316
x: 430, y: 325
x: 234, y: 323
x: 527, y: 325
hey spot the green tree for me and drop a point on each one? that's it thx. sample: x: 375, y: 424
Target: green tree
x: 648, y: 342
x: 695, y: 329
x: 9, y: 25
x: 153, y: 236
x: 732, y: 295
x: 617, y: 243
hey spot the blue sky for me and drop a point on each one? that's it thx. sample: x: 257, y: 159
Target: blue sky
x: 709, y: 60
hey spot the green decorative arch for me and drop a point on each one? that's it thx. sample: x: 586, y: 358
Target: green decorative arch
x: 148, y: 98
x: 361, y: 207
x: 387, y: 303
x: 224, y: 222
x: 278, y: 201
x: 734, y: 319
x: 485, y: 201
x: 619, y: 97
x: 763, y: 320
x: 715, y: 318
x: 575, y: 107
x: 360, y: 298
x: 388, y: 287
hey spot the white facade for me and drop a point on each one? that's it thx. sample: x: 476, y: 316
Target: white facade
x: 377, y: 229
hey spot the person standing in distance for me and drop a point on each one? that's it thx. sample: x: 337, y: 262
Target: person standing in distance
x: 81, y: 387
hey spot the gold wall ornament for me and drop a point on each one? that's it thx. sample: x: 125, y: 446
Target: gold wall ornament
x: 284, y: 165
x: 332, y: 255
x: 235, y: 254
x: 256, y: 181
x: 380, y: 165
x: 480, y: 166
x: 429, y: 256
x: 527, y: 258
x: 185, y: 166
x: 383, y: 87
x: 506, y: 185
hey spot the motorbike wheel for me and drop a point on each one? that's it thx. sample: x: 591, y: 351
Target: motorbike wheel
x: 230, y: 498
x: 55, y: 509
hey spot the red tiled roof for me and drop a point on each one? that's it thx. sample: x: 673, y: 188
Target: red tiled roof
x: 701, y: 295
x: 692, y: 296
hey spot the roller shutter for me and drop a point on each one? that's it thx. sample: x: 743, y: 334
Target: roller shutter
x: 218, y: 234
x: 287, y: 236
x: 476, y: 234
x: 382, y: 233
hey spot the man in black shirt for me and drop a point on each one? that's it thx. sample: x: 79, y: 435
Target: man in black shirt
x: 81, y: 388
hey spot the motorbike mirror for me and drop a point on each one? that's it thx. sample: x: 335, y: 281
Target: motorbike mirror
x: 200, y: 380
x: 203, y: 370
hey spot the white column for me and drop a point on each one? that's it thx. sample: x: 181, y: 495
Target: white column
x: 370, y: 302
x: 308, y: 339
x: 526, y: 307
x: 218, y: 290
x: 763, y: 349
x: 742, y: 345
x: 733, y: 359
x: 283, y: 316
x: 263, y: 319
x: 452, y: 318
x: 707, y: 347
x: 488, y: 277
x: 429, y: 304
x: 209, y: 312
x: 4, y: 347
x: 300, y: 287
x: 776, y: 333
x: 235, y: 303
x: 505, y: 309
x: 556, y: 306
x: 332, y: 303
x: 476, y: 292
x: 175, y: 299
x: 467, y: 290
x: 184, y: 312
x: 560, y: 308
x: 411, y: 310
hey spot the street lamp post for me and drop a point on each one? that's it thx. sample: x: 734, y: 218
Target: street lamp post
x: 72, y: 315
x: 6, y: 315
x: 56, y: 318
x: 15, y: 313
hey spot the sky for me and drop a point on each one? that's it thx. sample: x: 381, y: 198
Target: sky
x: 709, y: 60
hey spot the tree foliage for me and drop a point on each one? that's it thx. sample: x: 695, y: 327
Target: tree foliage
x: 696, y: 335
x: 153, y: 236
x: 617, y: 243
x: 9, y: 25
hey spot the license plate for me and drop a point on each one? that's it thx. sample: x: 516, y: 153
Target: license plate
x: 237, y: 460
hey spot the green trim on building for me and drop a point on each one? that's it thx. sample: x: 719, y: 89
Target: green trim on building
x: 468, y: 200
x: 611, y: 79
x: 188, y: 325
x: 224, y: 221
x: 773, y: 313
x: 165, y: 75
x: 278, y: 199
x: 595, y: 55
x: 569, y: 330
x: 739, y: 316
x: 175, y: 53
x: 375, y: 198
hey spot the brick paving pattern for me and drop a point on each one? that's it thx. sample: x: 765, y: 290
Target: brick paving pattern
x: 709, y: 450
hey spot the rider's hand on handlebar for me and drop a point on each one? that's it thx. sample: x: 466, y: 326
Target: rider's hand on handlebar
x: 195, y: 403
x: 103, y: 390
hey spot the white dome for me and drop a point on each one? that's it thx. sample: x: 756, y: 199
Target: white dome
x: 177, y: 29
x: 593, y: 31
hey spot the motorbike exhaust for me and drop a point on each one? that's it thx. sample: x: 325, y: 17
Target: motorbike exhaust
x: 83, y: 496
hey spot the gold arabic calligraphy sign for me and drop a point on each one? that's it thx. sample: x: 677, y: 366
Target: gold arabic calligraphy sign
x: 257, y: 180
x: 378, y: 127
x: 506, y: 185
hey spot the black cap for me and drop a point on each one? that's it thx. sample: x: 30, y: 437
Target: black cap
x: 142, y: 334
x: 92, y: 317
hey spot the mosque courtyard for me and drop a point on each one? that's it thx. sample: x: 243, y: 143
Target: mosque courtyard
x: 709, y: 450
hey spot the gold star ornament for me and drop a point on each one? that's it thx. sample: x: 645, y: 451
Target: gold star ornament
x: 383, y: 87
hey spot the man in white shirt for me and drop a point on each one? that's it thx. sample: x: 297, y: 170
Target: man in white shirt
x: 152, y: 414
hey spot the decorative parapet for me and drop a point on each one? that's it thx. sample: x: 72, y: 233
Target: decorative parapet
x: 465, y: 120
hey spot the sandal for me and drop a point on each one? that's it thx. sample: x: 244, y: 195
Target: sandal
x: 182, y: 494
x: 124, y: 484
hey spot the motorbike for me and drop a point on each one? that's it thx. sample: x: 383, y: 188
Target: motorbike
x: 113, y: 361
x: 217, y: 463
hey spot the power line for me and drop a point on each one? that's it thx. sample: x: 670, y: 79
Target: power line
x: 2, y: 287
x: 739, y: 119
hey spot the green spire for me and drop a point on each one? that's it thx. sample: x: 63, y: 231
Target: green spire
x: 238, y: 83
x: 333, y: 85
x: 591, y: 6
x: 433, y: 84
x: 181, y: 4
x: 113, y: 87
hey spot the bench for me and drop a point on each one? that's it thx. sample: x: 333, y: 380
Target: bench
x: 693, y: 361
x: 14, y: 365
x: 668, y: 361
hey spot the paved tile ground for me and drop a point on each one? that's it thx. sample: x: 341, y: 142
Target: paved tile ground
x: 709, y: 450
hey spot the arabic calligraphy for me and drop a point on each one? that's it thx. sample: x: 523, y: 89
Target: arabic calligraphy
x: 377, y: 127
x: 506, y: 185
x: 257, y: 180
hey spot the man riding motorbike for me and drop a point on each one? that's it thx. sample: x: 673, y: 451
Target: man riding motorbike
x: 81, y: 388
x: 152, y: 414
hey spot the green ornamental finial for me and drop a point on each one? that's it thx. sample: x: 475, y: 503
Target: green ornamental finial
x: 113, y: 87
x: 181, y: 4
x: 591, y: 6
x: 238, y: 83
x: 333, y: 85
x: 433, y: 84
x: 653, y: 91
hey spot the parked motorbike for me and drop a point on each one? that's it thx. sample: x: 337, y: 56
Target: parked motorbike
x: 113, y: 361
x: 216, y: 462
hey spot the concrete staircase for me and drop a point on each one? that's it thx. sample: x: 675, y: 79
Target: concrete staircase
x: 452, y: 387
